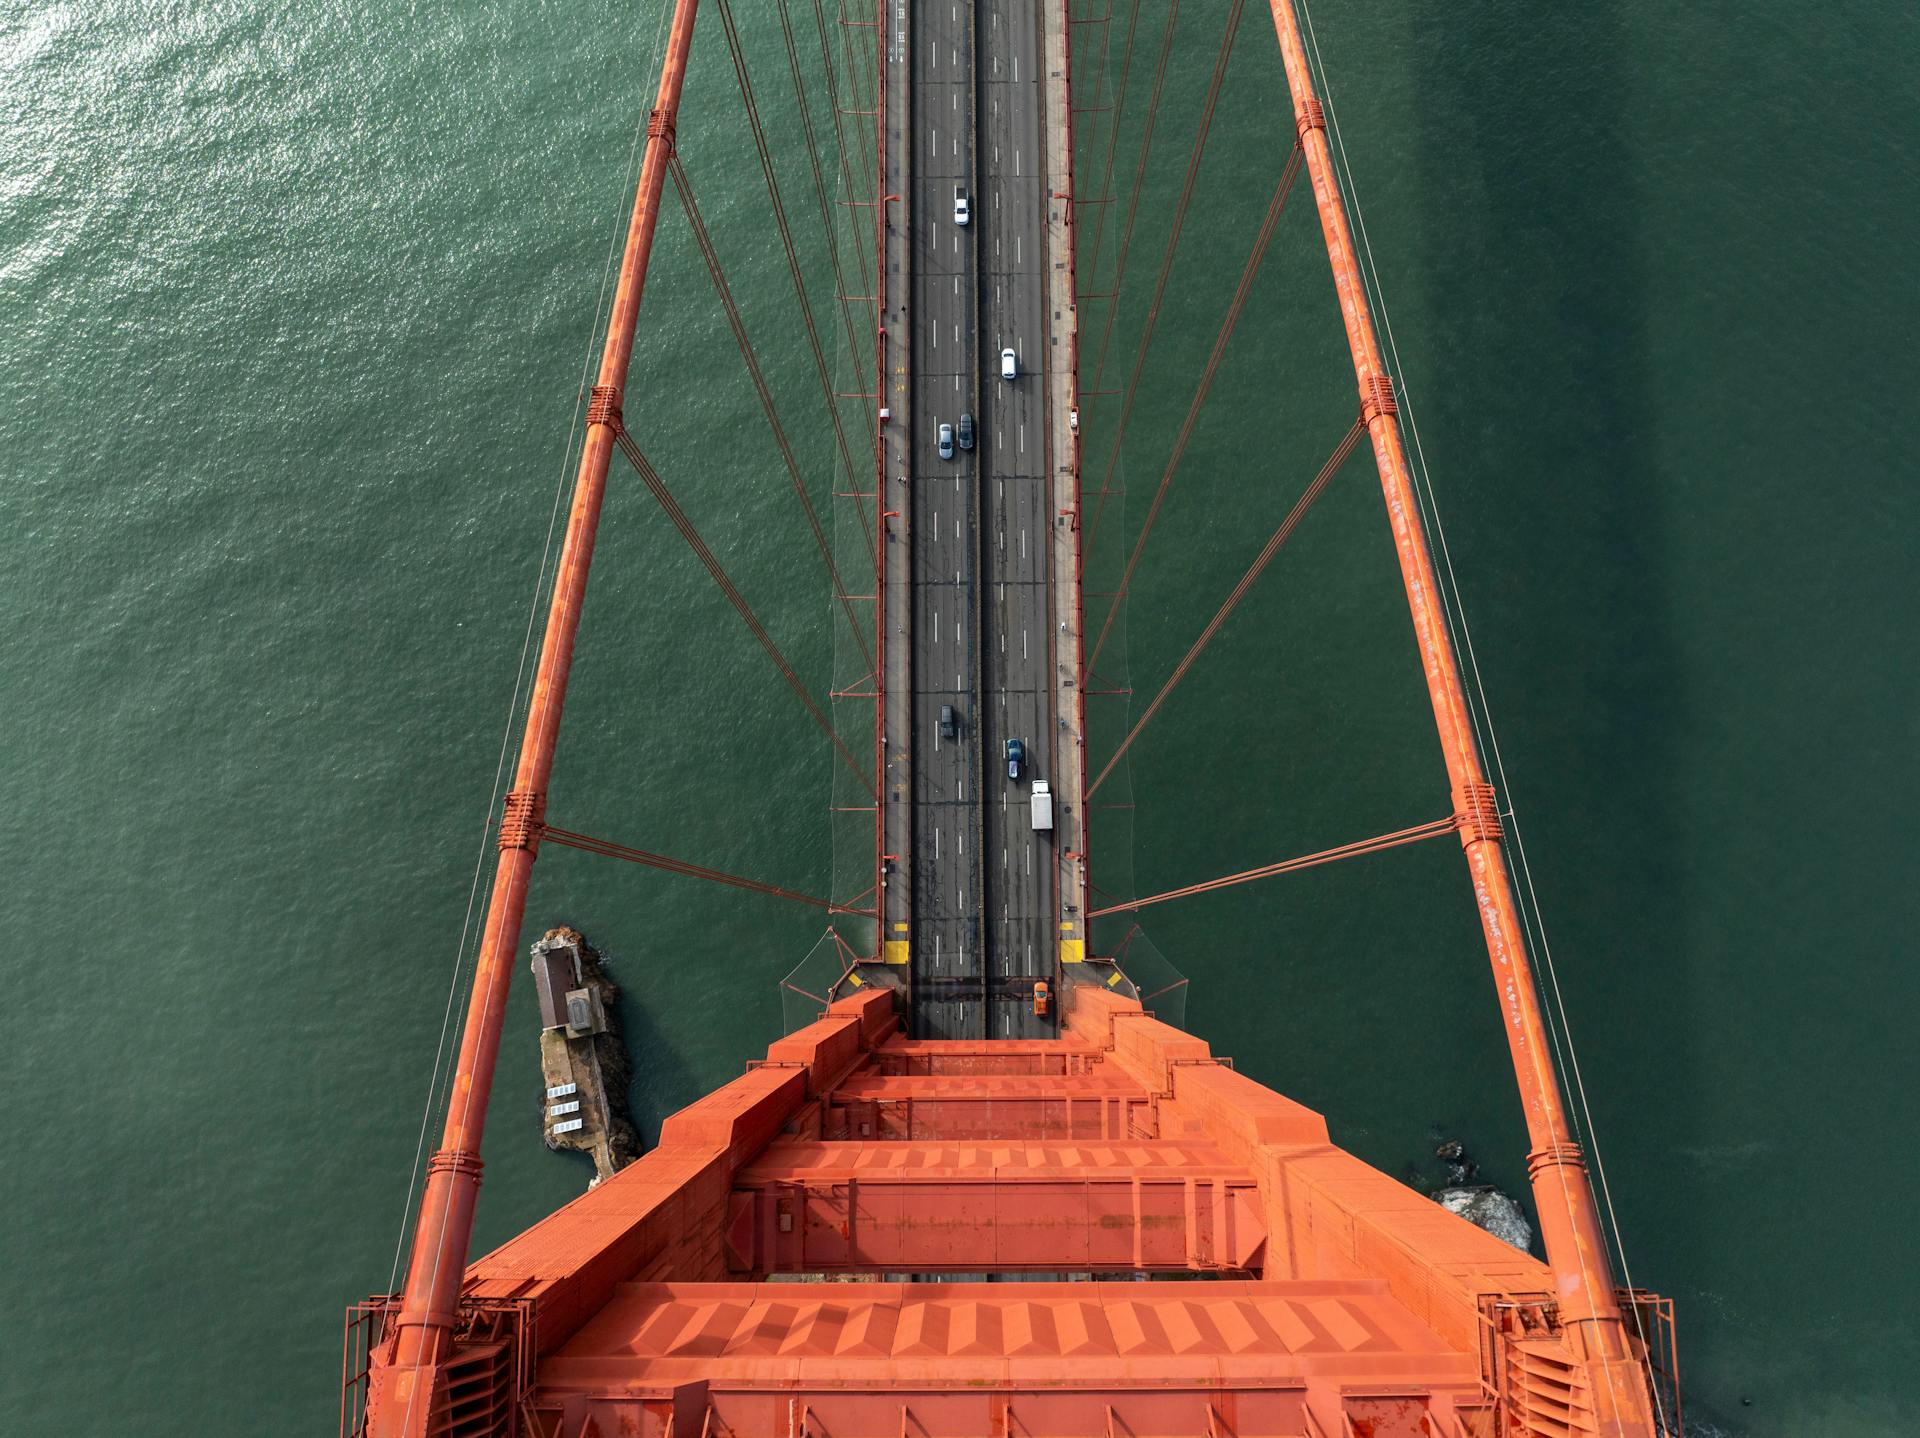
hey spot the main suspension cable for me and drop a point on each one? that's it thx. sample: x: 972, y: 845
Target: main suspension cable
x: 725, y: 293
x: 611, y: 850
x: 739, y: 54
x: 1207, y: 109
x: 1453, y: 607
x: 1274, y: 208
x: 1280, y: 537
x: 479, y: 894
x: 678, y: 516
x: 1433, y: 829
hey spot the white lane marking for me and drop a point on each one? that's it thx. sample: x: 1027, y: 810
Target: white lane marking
x: 956, y: 631
x: 956, y: 529
x: 1016, y: 162
x: 960, y: 842
x: 933, y: 54
x: 1016, y: 69
x: 1023, y: 544
x: 936, y: 844
x: 1023, y: 644
x: 1023, y: 436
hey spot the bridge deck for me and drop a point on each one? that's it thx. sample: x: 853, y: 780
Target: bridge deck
x: 974, y: 904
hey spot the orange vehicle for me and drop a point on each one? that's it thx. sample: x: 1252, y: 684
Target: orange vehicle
x: 1041, y: 995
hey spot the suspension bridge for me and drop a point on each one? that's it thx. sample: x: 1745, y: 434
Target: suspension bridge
x: 983, y: 1138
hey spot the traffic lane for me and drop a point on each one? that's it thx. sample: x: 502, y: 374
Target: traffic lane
x: 945, y: 530
x: 1021, y: 713
x: 1016, y: 317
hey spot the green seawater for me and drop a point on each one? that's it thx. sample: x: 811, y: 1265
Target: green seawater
x: 293, y: 307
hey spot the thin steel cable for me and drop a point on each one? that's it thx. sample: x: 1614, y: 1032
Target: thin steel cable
x: 1280, y: 536
x: 1453, y: 605
x: 1099, y: 66
x: 1201, y: 134
x: 839, y: 127
x: 739, y: 55
x: 678, y: 517
x: 1133, y: 200
x: 607, y: 848
x: 435, y: 1084
x: 828, y: 228
x: 1248, y: 274
x: 869, y: 160
x: 712, y: 257
x: 1113, y: 144
x: 1432, y: 829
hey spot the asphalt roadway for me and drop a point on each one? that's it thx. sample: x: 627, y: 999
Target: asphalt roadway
x: 983, y: 880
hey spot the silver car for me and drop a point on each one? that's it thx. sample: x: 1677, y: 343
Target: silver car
x: 946, y: 441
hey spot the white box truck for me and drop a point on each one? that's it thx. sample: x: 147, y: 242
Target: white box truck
x: 1042, y: 805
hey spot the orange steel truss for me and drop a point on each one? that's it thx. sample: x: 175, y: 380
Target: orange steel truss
x: 885, y: 1179
x: 817, y: 1247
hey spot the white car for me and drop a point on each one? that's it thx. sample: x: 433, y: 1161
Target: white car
x: 1009, y: 364
x: 962, y: 207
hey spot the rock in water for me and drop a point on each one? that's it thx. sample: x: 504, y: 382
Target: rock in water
x: 1492, y: 1210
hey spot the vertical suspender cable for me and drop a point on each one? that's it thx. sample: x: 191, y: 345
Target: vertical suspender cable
x: 843, y: 298
x: 1201, y: 133
x: 1247, y: 275
x: 1113, y: 144
x: 739, y: 54
x: 1133, y: 200
x: 724, y: 291
x: 1254, y: 571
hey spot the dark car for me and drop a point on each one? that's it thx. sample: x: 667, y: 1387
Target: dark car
x: 949, y: 724
x: 1016, y: 756
x: 966, y: 431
